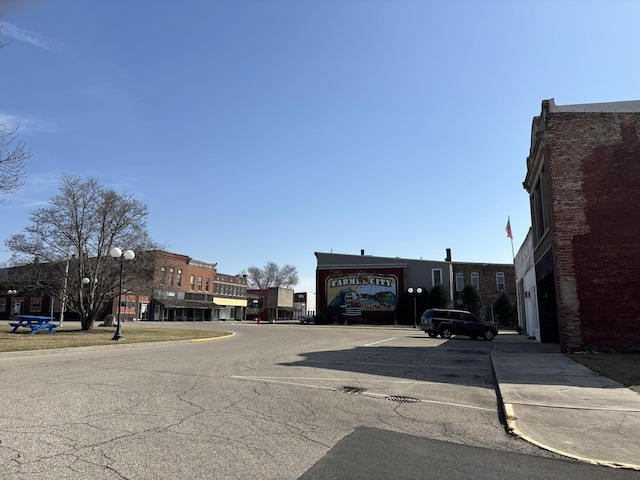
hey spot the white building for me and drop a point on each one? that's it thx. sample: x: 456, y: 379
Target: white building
x: 526, y: 289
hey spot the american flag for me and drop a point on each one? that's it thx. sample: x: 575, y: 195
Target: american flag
x: 508, y: 229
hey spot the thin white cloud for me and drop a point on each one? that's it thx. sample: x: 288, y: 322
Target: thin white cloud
x: 35, y: 193
x: 24, y: 124
x: 33, y: 38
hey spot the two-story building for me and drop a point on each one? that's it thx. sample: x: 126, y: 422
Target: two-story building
x: 490, y: 280
x: 271, y: 304
x: 177, y: 288
x: 582, y: 178
x: 182, y: 288
x: 370, y: 289
x: 230, y: 297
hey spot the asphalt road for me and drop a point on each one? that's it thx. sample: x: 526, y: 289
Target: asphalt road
x: 272, y: 402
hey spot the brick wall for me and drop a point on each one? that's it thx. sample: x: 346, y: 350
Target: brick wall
x: 487, y: 281
x: 181, y: 262
x: 594, y: 182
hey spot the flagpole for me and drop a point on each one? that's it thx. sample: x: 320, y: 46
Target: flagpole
x: 510, y: 235
x: 512, y: 252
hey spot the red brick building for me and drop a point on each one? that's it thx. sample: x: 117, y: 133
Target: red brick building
x: 180, y: 288
x: 183, y: 287
x: 491, y: 280
x: 583, y: 175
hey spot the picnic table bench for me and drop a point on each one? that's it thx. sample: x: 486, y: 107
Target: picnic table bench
x: 35, y: 323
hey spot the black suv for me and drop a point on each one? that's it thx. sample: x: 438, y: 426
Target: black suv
x: 456, y: 322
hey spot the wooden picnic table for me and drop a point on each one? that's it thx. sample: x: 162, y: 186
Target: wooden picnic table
x: 35, y: 323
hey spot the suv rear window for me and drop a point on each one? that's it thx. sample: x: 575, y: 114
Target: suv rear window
x: 429, y: 313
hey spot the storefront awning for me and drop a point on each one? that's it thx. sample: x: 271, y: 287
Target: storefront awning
x: 199, y: 305
x: 230, y: 302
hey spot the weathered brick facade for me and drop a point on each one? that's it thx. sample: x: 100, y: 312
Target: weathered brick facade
x: 584, y: 181
x: 488, y: 288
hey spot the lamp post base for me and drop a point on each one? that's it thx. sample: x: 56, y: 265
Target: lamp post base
x: 118, y: 335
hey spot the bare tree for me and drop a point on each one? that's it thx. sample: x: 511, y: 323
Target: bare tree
x: 13, y: 156
x: 69, y: 241
x: 13, y: 160
x: 271, y: 275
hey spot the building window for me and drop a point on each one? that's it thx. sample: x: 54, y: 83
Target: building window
x: 459, y: 282
x: 36, y: 304
x: 436, y: 276
x: 171, y: 277
x: 192, y: 282
x: 179, y: 278
x: 199, y: 284
x: 475, y: 280
x: 540, y: 207
x: 500, y: 281
x: 163, y: 275
x: 207, y: 285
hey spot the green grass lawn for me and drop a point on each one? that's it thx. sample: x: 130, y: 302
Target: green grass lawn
x: 73, y: 336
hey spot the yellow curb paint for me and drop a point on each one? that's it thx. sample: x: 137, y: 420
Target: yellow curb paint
x: 231, y: 334
x: 511, y: 425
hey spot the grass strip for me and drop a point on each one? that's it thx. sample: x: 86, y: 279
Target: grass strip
x: 73, y: 336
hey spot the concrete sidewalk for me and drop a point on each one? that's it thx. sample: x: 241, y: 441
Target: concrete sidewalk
x: 562, y: 406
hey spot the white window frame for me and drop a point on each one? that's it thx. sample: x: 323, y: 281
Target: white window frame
x: 459, y: 282
x: 475, y: 280
x: 500, y: 285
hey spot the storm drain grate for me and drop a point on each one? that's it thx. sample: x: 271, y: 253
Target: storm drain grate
x: 353, y: 390
x: 401, y: 399
x: 394, y: 398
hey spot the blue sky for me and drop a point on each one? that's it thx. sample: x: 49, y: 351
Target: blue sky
x: 267, y: 130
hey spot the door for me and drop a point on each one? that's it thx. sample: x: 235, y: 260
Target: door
x: 17, y: 308
x: 472, y: 325
x: 457, y: 324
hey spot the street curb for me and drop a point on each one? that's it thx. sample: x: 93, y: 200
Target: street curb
x: 59, y: 351
x: 230, y: 334
x: 513, y: 429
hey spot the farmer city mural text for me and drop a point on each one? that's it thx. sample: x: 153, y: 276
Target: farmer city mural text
x: 363, y: 292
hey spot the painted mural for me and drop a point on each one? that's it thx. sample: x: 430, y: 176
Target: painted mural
x: 352, y: 294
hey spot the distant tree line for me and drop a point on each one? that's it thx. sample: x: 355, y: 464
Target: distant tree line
x: 271, y: 275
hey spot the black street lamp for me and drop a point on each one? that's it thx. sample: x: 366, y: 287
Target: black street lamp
x: 414, y: 292
x: 126, y: 255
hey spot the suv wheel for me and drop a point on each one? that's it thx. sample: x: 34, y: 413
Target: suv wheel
x: 488, y: 334
x: 445, y: 332
x: 432, y: 334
